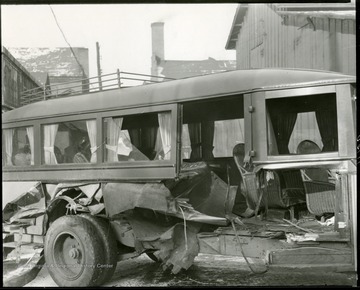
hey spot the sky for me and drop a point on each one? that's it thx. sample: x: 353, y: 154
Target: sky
x: 191, y: 31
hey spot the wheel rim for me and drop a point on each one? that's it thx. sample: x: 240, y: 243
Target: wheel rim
x: 68, y: 254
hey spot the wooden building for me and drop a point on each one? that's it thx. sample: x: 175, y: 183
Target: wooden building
x: 14, y: 80
x: 314, y: 36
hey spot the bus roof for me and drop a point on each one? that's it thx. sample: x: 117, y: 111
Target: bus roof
x: 212, y: 85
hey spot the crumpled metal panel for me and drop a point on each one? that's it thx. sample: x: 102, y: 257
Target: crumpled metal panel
x: 175, y: 243
x: 29, y: 203
x: 119, y: 197
x: 205, y: 191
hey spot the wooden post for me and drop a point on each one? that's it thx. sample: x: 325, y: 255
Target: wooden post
x: 98, y: 65
x: 44, y: 92
x: 119, y: 79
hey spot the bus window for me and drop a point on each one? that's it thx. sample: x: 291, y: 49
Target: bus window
x: 70, y: 142
x: 142, y: 137
x: 227, y: 133
x: 295, y: 121
x: 19, y: 146
x: 212, y: 128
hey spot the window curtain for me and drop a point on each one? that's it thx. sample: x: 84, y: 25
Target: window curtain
x: 283, y: 124
x: 165, y: 132
x: 272, y: 146
x: 135, y: 137
x: 207, y: 138
x: 113, y: 134
x: 8, y: 135
x: 49, y: 141
x: 91, y: 128
x: 195, y: 140
x: 148, y: 141
x: 328, y: 129
x: 30, y: 134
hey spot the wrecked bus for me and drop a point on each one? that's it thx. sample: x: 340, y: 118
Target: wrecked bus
x: 255, y: 163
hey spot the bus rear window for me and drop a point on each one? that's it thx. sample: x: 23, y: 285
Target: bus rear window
x: 18, y: 146
x: 302, y: 125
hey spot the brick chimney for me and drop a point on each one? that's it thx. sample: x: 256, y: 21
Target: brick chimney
x: 157, y: 38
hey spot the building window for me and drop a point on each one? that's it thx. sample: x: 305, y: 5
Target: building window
x: 302, y: 125
x: 18, y: 146
x: 70, y: 142
x: 142, y: 137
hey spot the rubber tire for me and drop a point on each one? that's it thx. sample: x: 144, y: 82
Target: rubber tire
x: 109, y: 245
x: 85, y: 234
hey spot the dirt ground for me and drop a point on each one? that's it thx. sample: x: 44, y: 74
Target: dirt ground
x: 208, y: 271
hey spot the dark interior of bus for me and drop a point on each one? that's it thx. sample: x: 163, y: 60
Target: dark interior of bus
x: 288, y: 190
x: 201, y: 117
x: 209, y: 127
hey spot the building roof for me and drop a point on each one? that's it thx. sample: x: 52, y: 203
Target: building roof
x: 179, y: 69
x: 58, y: 61
x: 319, y: 10
x: 182, y: 90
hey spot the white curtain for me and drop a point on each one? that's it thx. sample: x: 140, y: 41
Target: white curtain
x: 113, y: 134
x: 91, y: 128
x: 8, y: 135
x: 49, y: 141
x: 30, y: 134
x: 165, y: 132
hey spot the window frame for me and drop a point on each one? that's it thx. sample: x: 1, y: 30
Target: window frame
x: 58, y: 120
x: 20, y: 125
x: 259, y: 123
x: 230, y: 97
x: 131, y: 112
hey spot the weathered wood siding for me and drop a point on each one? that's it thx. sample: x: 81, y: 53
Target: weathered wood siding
x: 269, y: 39
x: 13, y: 82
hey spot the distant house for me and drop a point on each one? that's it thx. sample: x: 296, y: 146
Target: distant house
x: 314, y: 36
x: 178, y: 69
x: 14, y: 80
x: 57, y: 68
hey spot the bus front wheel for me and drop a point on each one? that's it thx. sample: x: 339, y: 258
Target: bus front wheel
x: 72, y: 252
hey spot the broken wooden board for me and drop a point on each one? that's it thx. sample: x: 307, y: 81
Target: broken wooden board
x: 253, y: 247
x: 310, y: 256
